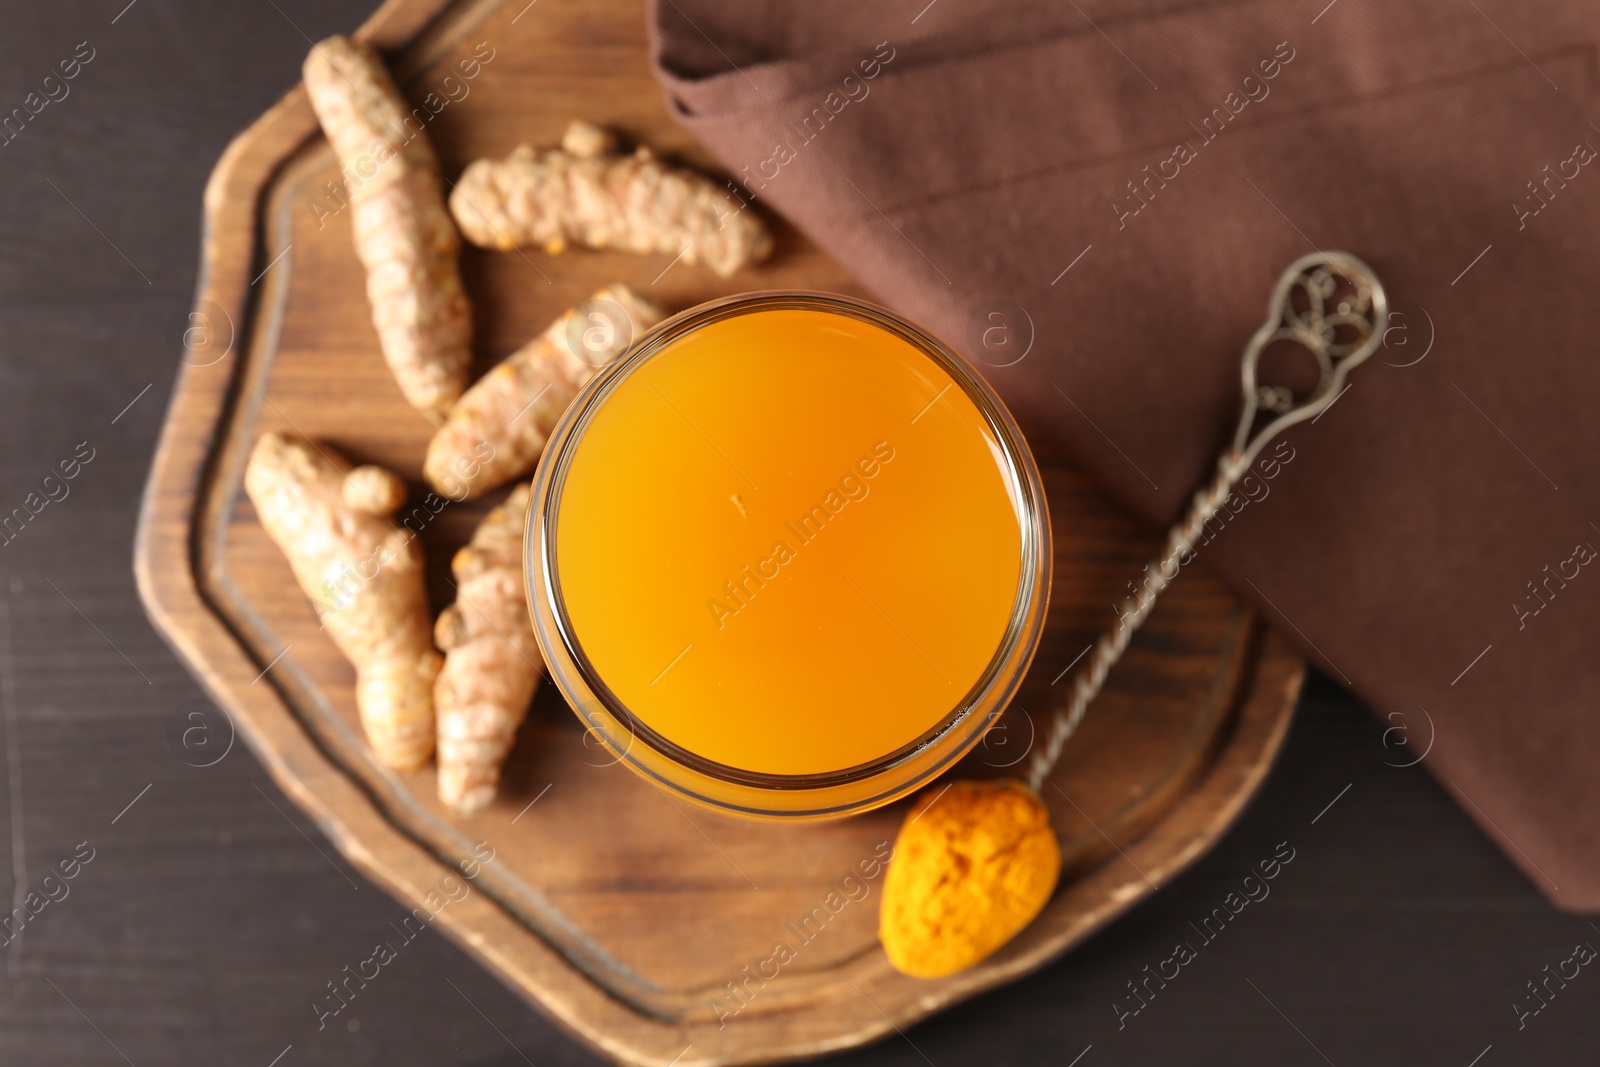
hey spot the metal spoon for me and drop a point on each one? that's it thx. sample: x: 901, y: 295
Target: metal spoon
x: 1331, y: 305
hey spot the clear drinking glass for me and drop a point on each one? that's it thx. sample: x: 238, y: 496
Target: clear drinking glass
x: 782, y: 796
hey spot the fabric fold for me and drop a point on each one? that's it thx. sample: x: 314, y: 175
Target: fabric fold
x: 1094, y: 202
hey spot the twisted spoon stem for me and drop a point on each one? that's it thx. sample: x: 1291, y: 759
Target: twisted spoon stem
x: 1319, y: 301
x: 1086, y: 684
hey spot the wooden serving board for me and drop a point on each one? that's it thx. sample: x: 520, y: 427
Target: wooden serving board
x: 627, y: 916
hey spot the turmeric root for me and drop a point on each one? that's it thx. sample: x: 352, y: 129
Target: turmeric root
x: 509, y: 412
x: 365, y: 577
x: 974, y: 863
x: 491, y: 664
x: 403, y: 235
x: 586, y: 193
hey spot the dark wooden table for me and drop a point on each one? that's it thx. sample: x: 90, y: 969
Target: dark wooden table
x: 212, y: 913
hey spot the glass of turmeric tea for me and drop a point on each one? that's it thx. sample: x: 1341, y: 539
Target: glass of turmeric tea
x: 788, y: 556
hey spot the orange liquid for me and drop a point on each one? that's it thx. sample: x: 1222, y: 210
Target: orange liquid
x: 789, y: 543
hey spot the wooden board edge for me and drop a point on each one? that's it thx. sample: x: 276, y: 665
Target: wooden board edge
x: 164, y: 558
x: 1217, y: 800
x: 163, y: 563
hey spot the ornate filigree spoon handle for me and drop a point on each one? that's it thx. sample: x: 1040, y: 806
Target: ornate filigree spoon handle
x: 1333, y: 306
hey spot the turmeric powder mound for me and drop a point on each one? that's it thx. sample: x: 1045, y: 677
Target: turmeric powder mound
x: 587, y: 193
x: 974, y: 863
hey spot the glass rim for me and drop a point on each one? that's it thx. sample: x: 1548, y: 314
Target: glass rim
x: 570, y: 665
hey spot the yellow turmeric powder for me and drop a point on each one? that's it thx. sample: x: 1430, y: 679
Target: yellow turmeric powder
x: 974, y: 863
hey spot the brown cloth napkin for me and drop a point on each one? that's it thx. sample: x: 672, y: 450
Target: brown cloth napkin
x: 1121, y: 184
